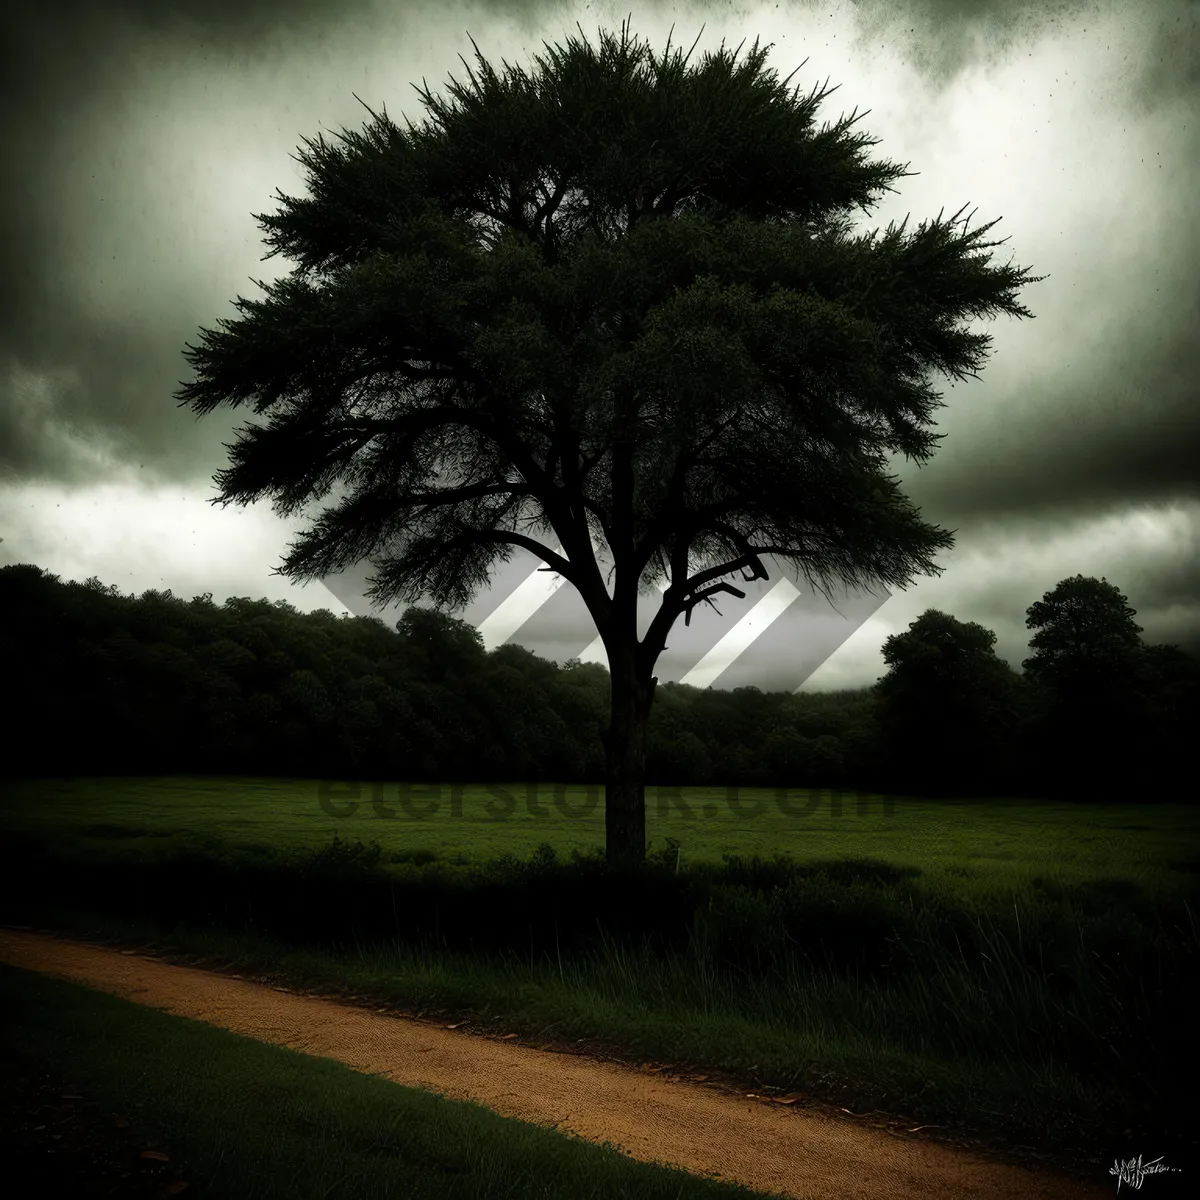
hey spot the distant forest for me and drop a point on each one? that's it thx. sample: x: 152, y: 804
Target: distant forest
x: 108, y: 684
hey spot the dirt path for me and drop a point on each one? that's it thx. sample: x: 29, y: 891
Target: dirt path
x: 793, y: 1150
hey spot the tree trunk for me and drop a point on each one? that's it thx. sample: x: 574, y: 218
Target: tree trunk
x: 625, y: 761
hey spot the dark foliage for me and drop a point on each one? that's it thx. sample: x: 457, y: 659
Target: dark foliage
x: 619, y: 299
x: 114, y: 684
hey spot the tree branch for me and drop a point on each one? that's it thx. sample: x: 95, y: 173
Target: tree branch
x: 758, y: 571
x: 549, y: 205
x: 555, y: 562
x: 706, y: 595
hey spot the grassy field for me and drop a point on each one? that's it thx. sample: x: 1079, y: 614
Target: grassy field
x: 1040, y: 950
x: 968, y: 845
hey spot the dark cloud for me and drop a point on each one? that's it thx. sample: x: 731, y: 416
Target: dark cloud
x: 1125, y: 431
x: 147, y: 131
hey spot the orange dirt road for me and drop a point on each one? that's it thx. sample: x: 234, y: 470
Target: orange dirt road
x: 788, y: 1150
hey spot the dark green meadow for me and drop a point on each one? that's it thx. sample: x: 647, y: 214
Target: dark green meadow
x: 1020, y: 972
x: 996, y: 843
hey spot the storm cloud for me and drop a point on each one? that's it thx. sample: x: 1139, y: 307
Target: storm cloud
x: 142, y: 135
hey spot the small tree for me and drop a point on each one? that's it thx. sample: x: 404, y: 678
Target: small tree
x: 1085, y: 633
x: 1171, y: 686
x: 1087, y: 668
x: 947, y: 704
x: 445, y: 644
x: 618, y: 300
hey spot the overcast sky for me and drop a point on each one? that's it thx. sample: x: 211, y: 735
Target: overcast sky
x: 141, y: 136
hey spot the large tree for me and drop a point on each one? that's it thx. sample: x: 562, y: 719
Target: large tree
x: 618, y: 300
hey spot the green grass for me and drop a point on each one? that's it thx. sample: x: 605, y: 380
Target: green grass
x: 249, y: 1121
x: 968, y: 845
x: 1040, y: 941
x: 849, y: 1045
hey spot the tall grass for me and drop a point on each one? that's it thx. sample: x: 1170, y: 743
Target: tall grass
x: 1003, y: 967
x: 1051, y: 1015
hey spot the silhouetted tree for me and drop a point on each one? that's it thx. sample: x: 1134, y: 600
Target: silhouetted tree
x: 947, y: 706
x: 1087, y: 672
x: 444, y: 645
x: 96, y: 698
x: 1169, y: 682
x: 618, y: 300
x: 785, y: 752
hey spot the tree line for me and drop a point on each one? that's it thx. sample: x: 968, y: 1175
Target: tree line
x: 112, y: 684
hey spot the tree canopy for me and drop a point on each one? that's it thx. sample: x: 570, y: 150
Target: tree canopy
x: 619, y: 300
x: 1084, y: 628
x: 1094, y: 678
x: 151, y: 684
x: 948, y: 704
